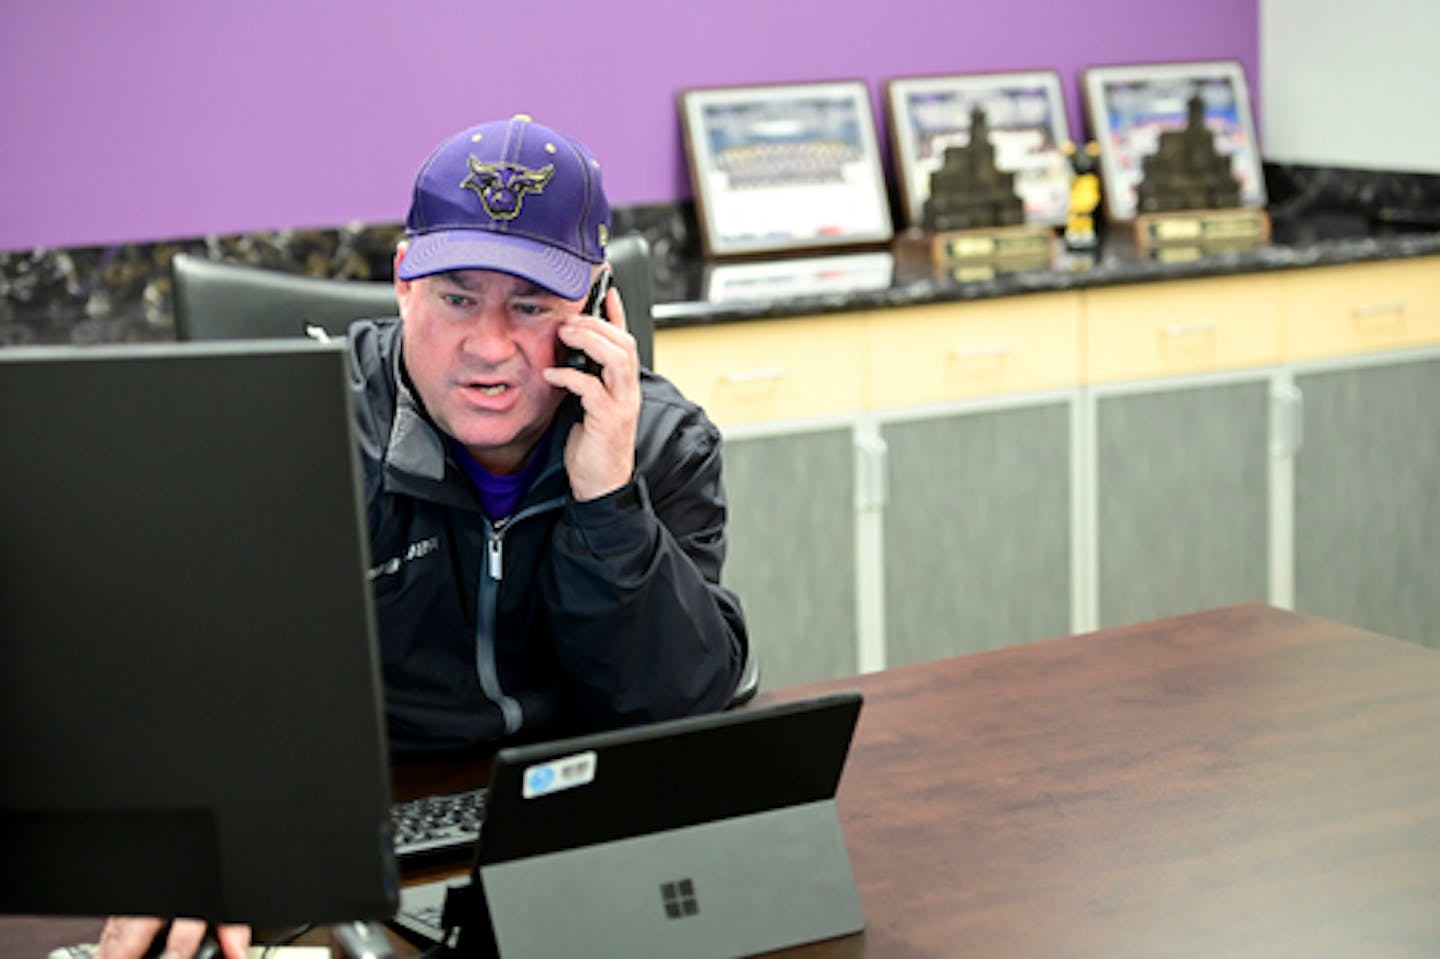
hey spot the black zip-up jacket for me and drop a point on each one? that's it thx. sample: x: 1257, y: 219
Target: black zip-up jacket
x: 565, y: 617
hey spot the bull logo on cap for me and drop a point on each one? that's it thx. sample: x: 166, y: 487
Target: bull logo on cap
x: 501, y: 187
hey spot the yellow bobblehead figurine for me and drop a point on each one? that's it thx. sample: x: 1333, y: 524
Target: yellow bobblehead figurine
x: 1080, y: 231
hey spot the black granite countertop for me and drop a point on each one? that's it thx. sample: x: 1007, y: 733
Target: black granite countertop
x: 702, y: 292
x: 1320, y: 216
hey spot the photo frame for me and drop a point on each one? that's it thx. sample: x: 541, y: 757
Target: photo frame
x: 1129, y: 107
x: 785, y: 167
x: 1028, y: 126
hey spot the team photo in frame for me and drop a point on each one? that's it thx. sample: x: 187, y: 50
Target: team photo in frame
x: 785, y: 167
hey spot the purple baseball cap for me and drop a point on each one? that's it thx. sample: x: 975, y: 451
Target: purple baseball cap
x: 512, y: 196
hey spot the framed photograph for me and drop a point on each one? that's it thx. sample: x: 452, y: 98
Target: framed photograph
x: 1130, y: 107
x: 1026, y: 116
x: 787, y: 167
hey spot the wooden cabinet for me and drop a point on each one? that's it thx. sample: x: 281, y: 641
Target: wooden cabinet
x: 786, y: 393
x: 768, y: 371
x: 1181, y: 497
x: 1181, y: 327
x: 792, y: 553
x: 1180, y: 493
x: 932, y: 480
x: 1361, y: 308
x: 978, y: 527
x: 974, y: 407
x: 951, y: 351
x: 876, y: 483
x: 1367, y: 496
x: 1364, y: 341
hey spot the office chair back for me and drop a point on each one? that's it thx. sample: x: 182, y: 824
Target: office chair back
x: 216, y: 300
x: 629, y: 257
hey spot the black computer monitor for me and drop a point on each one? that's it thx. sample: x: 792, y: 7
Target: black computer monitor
x: 191, y: 714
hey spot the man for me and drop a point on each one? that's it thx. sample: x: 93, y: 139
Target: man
x: 547, y: 541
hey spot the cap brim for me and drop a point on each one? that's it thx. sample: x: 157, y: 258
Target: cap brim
x: 443, y: 251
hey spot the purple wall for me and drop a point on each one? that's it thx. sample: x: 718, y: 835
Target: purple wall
x: 153, y: 119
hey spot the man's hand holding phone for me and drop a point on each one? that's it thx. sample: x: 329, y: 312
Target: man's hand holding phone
x: 600, y: 450
x: 594, y: 306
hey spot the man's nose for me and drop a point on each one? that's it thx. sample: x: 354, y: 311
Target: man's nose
x: 487, y: 338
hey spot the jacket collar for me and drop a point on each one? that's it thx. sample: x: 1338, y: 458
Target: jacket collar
x: 415, y: 446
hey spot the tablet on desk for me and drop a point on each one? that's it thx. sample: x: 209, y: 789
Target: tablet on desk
x: 711, y: 835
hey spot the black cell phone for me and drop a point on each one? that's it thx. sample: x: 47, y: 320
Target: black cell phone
x: 595, y: 306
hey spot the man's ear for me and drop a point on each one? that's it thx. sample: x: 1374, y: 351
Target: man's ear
x: 402, y: 287
x: 400, y: 249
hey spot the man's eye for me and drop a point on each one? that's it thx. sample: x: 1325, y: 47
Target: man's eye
x: 531, y: 309
x: 455, y: 299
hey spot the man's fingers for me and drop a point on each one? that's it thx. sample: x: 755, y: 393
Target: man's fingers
x: 234, y: 941
x: 184, y: 939
x: 615, y: 308
x: 127, y: 937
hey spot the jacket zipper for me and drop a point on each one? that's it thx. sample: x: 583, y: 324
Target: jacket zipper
x: 487, y: 610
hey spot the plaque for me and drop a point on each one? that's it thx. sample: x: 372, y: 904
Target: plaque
x: 784, y: 168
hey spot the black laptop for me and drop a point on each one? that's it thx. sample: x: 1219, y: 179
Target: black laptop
x: 714, y: 835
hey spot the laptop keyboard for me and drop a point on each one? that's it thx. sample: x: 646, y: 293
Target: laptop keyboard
x: 439, y: 825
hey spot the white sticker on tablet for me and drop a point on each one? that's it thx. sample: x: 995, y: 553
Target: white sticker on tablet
x: 558, y: 775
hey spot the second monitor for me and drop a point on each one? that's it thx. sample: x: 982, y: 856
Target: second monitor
x: 191, y: 712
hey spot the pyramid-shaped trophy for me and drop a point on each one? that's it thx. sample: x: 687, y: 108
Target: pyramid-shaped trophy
x: 972, y: 211
x: 1189, y: 195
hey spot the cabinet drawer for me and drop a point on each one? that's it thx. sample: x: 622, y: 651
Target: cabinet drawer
x: 1361, y: 308
x: 1181, y: 326
x: 763, y: 370
x: 949, y: 351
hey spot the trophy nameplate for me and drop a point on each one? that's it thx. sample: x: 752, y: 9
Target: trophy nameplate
x: 978, y: 271
x: 984, y: 243
x: 1203, y: 228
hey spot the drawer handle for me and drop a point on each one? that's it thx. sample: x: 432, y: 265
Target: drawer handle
x: 766, y: 375
x: 1368, y: 311
x: 1176, y: 331
x: 981, y: 351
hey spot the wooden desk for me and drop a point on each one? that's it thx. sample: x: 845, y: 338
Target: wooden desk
x: 1243, y: 782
